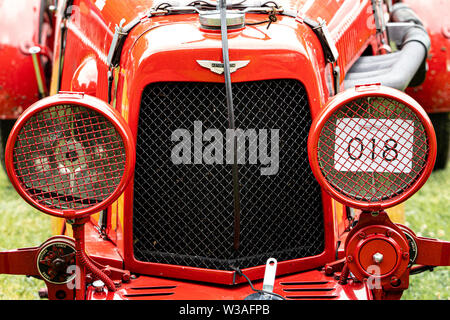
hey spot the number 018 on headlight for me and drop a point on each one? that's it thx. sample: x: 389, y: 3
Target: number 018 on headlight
x: 372, y: 147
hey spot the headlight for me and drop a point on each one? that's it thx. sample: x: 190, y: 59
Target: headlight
x: 70, y: 155
x: 372, y: 147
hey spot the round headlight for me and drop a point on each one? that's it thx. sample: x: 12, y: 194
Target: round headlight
x: 372, y: 147
x: 70, y: 155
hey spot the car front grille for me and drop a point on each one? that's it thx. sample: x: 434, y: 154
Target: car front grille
x: 184, y: 213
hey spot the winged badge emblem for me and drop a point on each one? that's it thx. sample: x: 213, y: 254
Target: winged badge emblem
x: 217, y: 66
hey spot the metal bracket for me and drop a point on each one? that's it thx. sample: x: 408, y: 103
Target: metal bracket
x: 320, y: 28
x: 337, y: 78
x: 397, y: 30
x: 380, y: 24
x: 388, y: 5
x: 269, y: 275
x: 35, y: 53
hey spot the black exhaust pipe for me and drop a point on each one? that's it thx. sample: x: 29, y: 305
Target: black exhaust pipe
x: 401, y: 68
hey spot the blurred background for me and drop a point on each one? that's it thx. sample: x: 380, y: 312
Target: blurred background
x: 427, y: 213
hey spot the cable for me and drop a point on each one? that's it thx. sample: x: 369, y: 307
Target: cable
x: 265, y: 4
x: 231, y: 122
x: 420, y: 269
x: 83, y: 260
x: 239, y: 271
x: 163, y: 6
x: 272, y: 18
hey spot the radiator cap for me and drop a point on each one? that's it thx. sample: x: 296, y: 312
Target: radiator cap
x: 211, y: 19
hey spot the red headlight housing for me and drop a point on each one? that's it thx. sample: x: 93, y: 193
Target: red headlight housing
x: 70, y: 155
x: 372, y: 147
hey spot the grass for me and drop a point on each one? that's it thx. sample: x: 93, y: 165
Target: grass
x: 427, y: 213
x: 20, y: 226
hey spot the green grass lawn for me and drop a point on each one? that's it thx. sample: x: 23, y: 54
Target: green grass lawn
x: 427, y: 213
x: 20, y: 226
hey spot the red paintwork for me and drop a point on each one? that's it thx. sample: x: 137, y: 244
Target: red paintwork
x: 291, y: 62
x: 165, y: 49
x: 310, y: 285
x: 104, y: 252
x: 24, y: 262
x: 433, y: 252
x: 19, y: 25
x: 378, y: 234
x: 434, y: 93
x: 85, y: 77
x: 20, y: 31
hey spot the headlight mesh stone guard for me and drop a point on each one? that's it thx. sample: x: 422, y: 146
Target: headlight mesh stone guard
x: 69, y: 158
x: 372, y: 148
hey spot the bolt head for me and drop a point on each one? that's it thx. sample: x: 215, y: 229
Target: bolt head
x: 126, y: 277
x: 98, y: 285
x: 329, y: 270
x: 395, y: 282
x: 377, y: 258
x: 59, y: 265
x: 34, y: 50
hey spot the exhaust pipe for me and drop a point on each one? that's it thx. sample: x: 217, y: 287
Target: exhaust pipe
x: 401, y: 68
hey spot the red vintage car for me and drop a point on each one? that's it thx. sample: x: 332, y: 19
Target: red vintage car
x: 237, y: 150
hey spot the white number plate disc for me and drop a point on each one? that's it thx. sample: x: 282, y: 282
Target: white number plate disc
x: 373, y: 145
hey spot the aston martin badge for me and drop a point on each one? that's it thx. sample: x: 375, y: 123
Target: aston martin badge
x: 217, y: 66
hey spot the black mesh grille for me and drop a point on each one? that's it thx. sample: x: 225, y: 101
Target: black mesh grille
x: 183, y: 214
